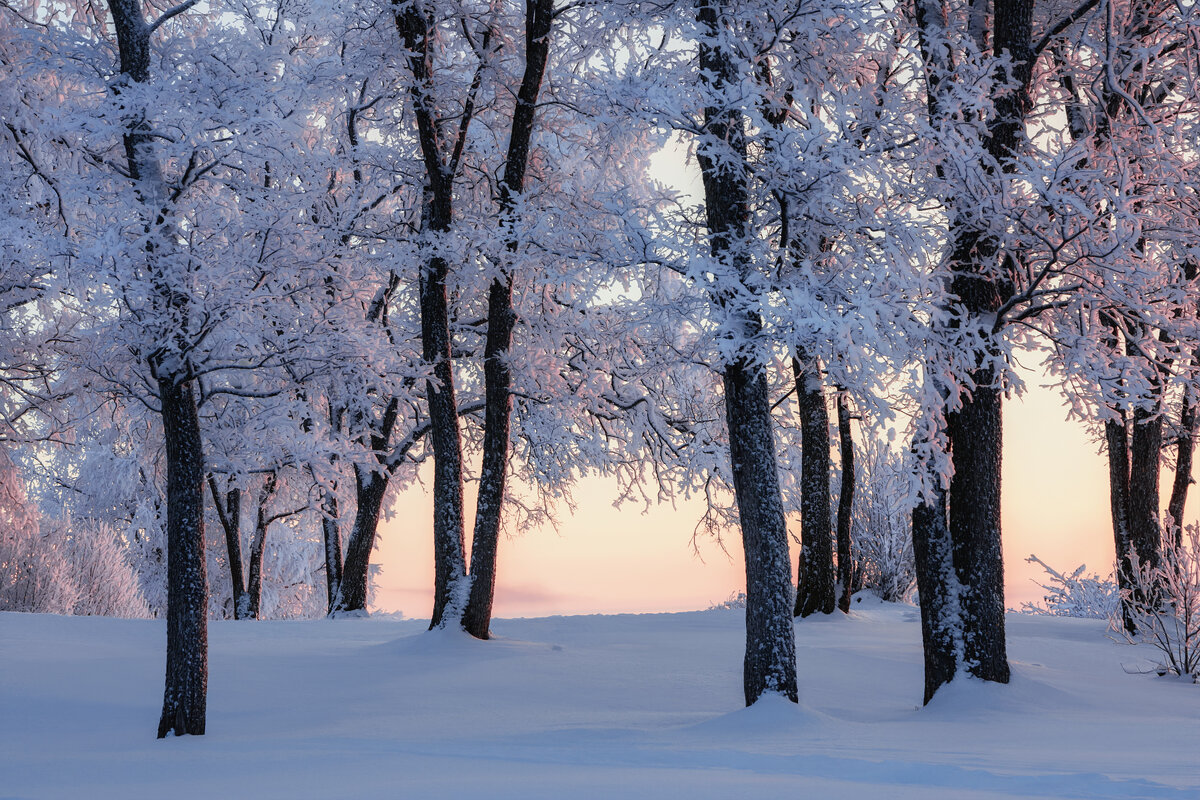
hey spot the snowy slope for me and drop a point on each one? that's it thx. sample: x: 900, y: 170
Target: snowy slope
x: 585, y: 707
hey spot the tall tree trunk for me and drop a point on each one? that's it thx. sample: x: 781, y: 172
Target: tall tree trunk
x: 975, y: 431
x: 1116, y: 441
x: 370, y: 488
x: 441, y: 167
x: 185, y: 692
x: 815, y: 584
x: 1185, y: 445
x: 845, y: 503
x: 448, y: 535
x: 258, y: 546
x: 1185, y: 439
x: 770, y: 661
x: 331, y: 537
x: 1145, y: 458
x: 1145, y: 453
x: 937, y: 588
x: 477, y: 617
x: 185, y: 695
x: 1120, y: 486
x: 976, y: 436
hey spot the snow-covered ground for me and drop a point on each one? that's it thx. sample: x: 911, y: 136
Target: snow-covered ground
x: 585, y: 707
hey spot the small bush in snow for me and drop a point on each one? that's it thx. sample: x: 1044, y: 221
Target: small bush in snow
x: 1074, y: 595
x: 736, y: 600
x: 881, y: 525
x: 1164, y: 607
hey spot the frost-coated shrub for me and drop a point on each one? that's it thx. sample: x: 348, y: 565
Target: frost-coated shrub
x: 735, y: 601
x: 1164, y: 607
x: 98, y: 567
x: 1074, y: 595
x: 881, y: 525
x: 33, y: 573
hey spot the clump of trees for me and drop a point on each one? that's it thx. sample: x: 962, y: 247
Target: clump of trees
x: 260, y: 263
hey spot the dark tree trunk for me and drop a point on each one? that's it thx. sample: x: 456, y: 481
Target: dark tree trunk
x: 331, y: 537
x: 185, y: 696
x: 370, y: 489
x: 1145, y: 453
x: 1116, y: 441
x: 815, y: 590
x: 448, y: 544
x: 770, y: 660
x: 1185, y: 438
x: 975, y: 431
x: 441, y: 166
x: 477, y: 617
x: 258, y: 546
x: 229, y: 514
x: 976, y: 434
x: 845, y: 504
x: 185, y: 693
x: 1185, y: 445
x: 1145, y: 457
x: 937, y: 585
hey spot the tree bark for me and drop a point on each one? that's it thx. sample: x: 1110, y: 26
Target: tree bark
x: 370, y: 489
x: 1116, y: 442
x: 477, y: 617
x: 845, y: 503
x: 1185, y: 445
x: 185, y: 692
x: 1145, y: 453
x: 448, y: 536
x: 185, y: 696
x: 770, y: 660
x: 229, y: 514
x: 815, y: 587
x: 258, y: 546
x: 976, y: 435
x: 937, y: 588
x: 331, y: 538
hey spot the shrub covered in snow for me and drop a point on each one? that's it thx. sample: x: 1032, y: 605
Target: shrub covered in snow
x: 1074, y: 595
x: 1164, y: 607
x: 735, y: 601
x: 881, y: 525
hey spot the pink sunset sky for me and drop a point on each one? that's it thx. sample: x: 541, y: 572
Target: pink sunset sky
x: 609, y: 560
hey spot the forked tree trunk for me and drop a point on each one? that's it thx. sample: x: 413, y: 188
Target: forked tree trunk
x: 229, y: 514
x: 258, y: 547
x: 477, y: 617
x: 845, y: 503
x: 770, y: 660
x: 815, y: 585
x: 975, y: 431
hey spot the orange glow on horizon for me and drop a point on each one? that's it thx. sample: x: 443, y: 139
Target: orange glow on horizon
x: 608, y: 560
